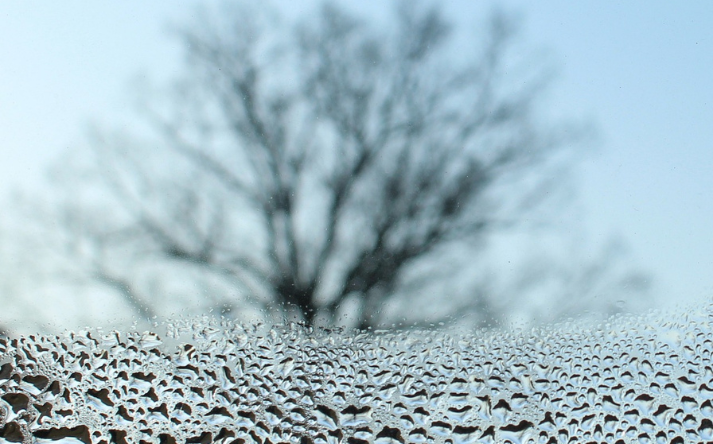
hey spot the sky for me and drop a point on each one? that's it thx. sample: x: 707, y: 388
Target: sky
x: 642, y: 72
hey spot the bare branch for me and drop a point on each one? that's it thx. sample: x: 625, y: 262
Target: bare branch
x: 126, y: 290
x: 304, y: 170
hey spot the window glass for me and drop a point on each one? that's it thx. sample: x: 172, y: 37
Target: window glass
x: 360, y: 221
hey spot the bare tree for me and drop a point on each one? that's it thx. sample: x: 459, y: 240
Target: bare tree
x: 304, y: 170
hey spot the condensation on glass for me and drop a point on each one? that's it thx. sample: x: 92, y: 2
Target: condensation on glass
x: 632, y: 379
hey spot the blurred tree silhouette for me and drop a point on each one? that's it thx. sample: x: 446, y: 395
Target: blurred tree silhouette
x: 322, y: 170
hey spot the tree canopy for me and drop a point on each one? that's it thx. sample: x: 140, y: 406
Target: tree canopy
x: 322, y: 169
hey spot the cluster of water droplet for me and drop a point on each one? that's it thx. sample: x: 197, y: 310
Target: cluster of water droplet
x: 644, y: 380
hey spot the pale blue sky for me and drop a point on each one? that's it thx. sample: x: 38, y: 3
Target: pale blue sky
x: 643, y: 71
